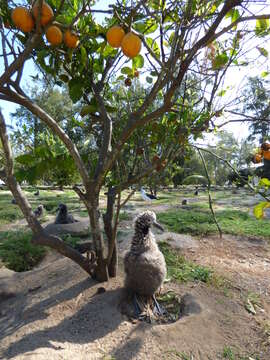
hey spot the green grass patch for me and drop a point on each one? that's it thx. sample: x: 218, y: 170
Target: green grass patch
x: 10, y: 213
x: 17, y: 252
x: 180, y: 269
x: 200, y: 222
x: 71, y: 240
x: 124, y: 216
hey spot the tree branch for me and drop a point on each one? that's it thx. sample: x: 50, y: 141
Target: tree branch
x: 52, y: 124
x: 18, y: 63
x: 40, y: 236
x: 210, y: 201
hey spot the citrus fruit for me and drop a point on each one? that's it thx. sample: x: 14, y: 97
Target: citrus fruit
x: 54, y: 35
x: 46, y: 13
x: 115, y: 36
x: 71, y: 39
x: 22, y: 19
x: 257, y: 158
x: 131, y: 45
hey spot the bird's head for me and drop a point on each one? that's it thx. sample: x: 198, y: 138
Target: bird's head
x: 40, y: 207
x: 145, y: 220
x: 62, y: 208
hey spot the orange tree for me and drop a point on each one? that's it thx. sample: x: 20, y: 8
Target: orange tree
x: 169, y: 49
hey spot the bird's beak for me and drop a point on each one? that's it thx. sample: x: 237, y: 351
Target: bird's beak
x: 157, y: 225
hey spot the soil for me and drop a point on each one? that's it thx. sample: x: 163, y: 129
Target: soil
x: 57, y: 312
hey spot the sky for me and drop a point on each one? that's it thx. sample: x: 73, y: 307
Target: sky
x: 234, y: 79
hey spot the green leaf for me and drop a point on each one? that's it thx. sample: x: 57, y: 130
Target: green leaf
x: 75, y: 87
x: 25, y: 159
x: 146, y: 27
x: 233, y: 14
x: 83, y: 56
x: 138, y: 62
x: 88, y: 109
x: 262, y: 26
x: 153, y: 45
x: 221, y: 93
x: 220, y: 61
x: 262, y: 51
x: 126, y: 70
x: 264, y: 182
x: 264, y: 74
x: 149, y: 79
x: 259, y: 209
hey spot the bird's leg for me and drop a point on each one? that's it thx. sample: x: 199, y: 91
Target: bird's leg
x: 158, y: 309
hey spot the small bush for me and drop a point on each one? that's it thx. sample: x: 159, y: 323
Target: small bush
x: 18, y: 253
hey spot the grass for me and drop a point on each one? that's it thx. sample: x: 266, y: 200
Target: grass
x: 231, y: 354
x: 199, y: 221
x: 180, y: 269
x: 16, y: 251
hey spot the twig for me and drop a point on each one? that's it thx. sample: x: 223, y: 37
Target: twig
x: 209, y: 193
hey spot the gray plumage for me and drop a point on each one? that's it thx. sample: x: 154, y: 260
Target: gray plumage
x: 63, y: 217
x: 38, y: 212
x: 144, y: 263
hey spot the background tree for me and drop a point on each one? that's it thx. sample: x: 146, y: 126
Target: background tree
x: 173, y: 35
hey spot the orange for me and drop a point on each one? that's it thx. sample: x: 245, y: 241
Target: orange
x: 22, y: 19
x: 54, y: 35
x: 131, y: 45
x: 266, y: 155
x: 115, y: 36
x: 46, y: 13
x: 71, y: 39
x: 257, y: 158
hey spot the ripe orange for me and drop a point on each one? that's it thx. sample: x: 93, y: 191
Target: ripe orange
x: 22, y: 19
x: 131, y: 45
x: 71, y: 39
x: 46, y: 13
x: 257, y: 158
x: 54, y: 35
x: 115, y: 36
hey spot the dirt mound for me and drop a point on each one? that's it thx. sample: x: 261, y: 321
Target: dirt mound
x: 58, y: 313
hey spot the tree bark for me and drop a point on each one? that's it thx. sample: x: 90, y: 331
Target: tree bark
x: 101, y: 270
x: 112, y: 261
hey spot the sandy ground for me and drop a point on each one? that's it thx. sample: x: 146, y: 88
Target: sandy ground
x: 54, y: 311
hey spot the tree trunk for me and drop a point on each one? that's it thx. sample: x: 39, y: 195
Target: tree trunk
x: 101, y: 270
x: 112, y: 260
x: 113, y: 265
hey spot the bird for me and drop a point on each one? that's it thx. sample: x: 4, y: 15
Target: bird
x: 13, y: 201
x: 144, y: 264
x: 147, y: 196
x: 63, y: 217
x: 184, y: 202
x: 36, y: 193
x: 38, y: 212
x: 196, y: 193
